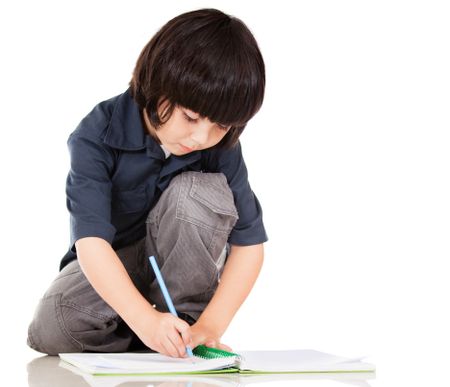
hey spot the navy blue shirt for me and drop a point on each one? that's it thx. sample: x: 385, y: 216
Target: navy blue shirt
x: 118, y: 172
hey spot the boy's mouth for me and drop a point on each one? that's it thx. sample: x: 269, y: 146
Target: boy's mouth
x: 186, y: 148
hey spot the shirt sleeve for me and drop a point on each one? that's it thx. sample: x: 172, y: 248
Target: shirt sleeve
x: 88, y: 189
x: 249, y: 229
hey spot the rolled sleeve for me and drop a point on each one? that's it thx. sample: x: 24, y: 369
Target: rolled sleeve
x: 249, y: 229
x: 88, y: 189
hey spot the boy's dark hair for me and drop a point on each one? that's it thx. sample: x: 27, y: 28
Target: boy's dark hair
x: 206, y: 61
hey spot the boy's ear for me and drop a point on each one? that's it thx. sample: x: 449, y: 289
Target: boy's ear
x: 165, y: 109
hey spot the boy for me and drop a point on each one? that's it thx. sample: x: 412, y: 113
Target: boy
x: 158, y: 170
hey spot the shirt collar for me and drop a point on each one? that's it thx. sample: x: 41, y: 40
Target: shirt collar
x: 125, y: 130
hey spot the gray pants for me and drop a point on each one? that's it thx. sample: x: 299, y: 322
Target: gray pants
x: 187, y: 232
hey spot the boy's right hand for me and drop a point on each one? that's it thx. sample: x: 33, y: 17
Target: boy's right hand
x: 105, y: 271
x: 164, y: 333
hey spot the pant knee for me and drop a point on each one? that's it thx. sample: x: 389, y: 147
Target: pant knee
x: 63, y: 326
x: 201, y: 199
x: 46, y: 333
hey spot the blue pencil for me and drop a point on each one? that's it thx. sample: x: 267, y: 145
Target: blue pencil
x: 166, y: 295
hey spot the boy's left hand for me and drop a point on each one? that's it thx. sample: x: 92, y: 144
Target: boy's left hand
x: 201, y: 334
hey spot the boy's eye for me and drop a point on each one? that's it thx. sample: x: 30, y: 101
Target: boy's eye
x: 224, y: 127
x: 189, y: 118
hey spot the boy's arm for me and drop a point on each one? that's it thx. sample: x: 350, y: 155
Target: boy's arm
x: 107, y: 275
x: 239, y: 275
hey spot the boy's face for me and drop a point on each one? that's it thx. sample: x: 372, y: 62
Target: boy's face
x: 186, y: 131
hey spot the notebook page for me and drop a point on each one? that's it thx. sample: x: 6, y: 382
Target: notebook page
x: 110, y: 363
x: 216, y: 380
x: 298, y: 361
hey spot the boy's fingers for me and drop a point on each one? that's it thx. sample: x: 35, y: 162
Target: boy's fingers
x: 217, y: 344
x: 185, y: 330
x: 195, y: 342
x: 166, y: 347
x: 187, y: 340
x: 225, y: 347
x: 180, y: 342
x: 174, y: 344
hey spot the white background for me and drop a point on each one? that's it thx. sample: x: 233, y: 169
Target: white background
x: 349, y: 157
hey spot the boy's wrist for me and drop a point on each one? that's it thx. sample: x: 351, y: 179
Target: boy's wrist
x: 205, y: 332
x: 138, y: 312
x: 215, y: 326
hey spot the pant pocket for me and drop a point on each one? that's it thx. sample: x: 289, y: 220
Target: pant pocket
x: 93, y: 331
x: 207, y: 201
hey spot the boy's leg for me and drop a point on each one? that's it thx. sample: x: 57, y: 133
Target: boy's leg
x: 187, y: 231
x: 72, y: 317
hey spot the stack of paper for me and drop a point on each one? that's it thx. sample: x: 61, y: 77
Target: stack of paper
x: 254, y: 362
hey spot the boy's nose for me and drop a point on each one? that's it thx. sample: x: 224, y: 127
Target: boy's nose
x: 201, y: 133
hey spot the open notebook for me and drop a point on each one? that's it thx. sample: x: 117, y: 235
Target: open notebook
x: 210, y: 360
x: 328, y: 379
